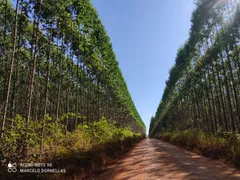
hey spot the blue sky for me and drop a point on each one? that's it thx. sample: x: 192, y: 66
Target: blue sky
x: 146, y: 35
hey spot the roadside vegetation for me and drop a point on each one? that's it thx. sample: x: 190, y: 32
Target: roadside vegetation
x: 81, y: 152
x: 58, y: 142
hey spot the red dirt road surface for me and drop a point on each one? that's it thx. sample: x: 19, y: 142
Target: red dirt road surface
x: 153, y: 159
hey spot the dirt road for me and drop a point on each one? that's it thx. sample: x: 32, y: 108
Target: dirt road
x: 153, y: 159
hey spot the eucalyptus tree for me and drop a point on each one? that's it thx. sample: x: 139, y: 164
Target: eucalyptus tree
x: 205, y: 91
x: 62, y: 63
x: 9, y: 78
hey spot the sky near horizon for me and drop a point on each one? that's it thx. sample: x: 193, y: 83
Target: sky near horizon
x: 146, y: 35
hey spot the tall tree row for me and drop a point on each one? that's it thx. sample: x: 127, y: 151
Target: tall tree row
x: 203, y: 89
x: 55, y: 59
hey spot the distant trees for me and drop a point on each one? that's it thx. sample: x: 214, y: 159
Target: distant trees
x: 56, y: 58
x: 204, y: 84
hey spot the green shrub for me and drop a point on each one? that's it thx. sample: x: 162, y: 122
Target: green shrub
x: 15, y: 139
x: 56, y: 141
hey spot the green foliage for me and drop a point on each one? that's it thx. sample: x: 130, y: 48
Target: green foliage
x: 14, y: 139
x: 94, y: 135
x: 57, y: 142
x: 102, y: 131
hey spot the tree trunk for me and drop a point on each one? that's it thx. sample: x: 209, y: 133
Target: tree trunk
x: 5, y: 106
